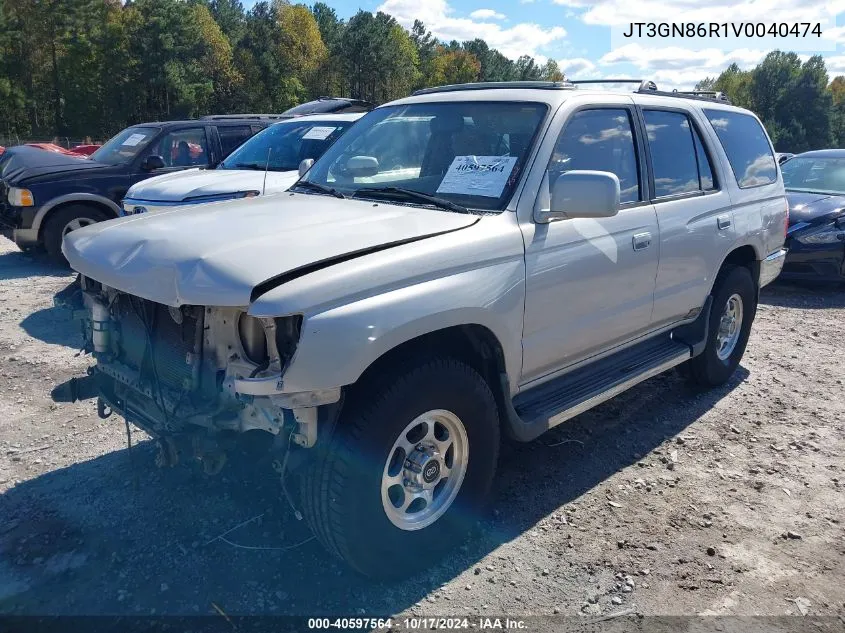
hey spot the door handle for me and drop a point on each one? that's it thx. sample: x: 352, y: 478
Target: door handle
x: 723, y: 222
x: 642, y: 241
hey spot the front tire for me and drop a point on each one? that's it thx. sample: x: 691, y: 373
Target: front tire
x: 731, y: 315
x: 65, y: 220
x: 407, y: 471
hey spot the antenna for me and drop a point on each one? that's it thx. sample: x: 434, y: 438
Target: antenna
x: 266, y: 169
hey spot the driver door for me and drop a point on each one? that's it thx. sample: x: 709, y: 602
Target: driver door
x: 180, y: 148
x: 590, y: 281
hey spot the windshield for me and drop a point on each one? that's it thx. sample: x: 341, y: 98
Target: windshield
x: 817, y: 175
x: 287, y: 144
x: 125, y: 146
x: 470, y: 153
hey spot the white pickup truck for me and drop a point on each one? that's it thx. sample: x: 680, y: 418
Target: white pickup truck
x: 268, y: 162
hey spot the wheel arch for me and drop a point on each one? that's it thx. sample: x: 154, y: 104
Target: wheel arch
x: 472, y: 343
x: 100, y: 203
x: 745, y: 255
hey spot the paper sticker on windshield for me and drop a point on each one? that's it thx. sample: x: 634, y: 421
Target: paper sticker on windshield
x: 134, y: 139
x: 319, y: 133
x: 478, y: 175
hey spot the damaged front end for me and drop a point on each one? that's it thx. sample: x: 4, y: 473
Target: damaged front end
x: 192, y: 374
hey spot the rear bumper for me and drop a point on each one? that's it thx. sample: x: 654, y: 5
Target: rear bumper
x: 771, y: 266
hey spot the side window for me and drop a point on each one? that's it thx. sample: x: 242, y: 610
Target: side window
x: 678, y: 158
x: 232, y: 137
x: 183, y: 148
x: 746, y: 145
x: 602, y: 140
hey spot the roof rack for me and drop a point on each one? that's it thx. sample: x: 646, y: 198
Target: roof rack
x: 644, y: 84
x: 492, y: 85
x: 647, y: 86
x: 226, y: 117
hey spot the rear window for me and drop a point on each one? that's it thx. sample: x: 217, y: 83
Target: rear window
x: 746, y: 145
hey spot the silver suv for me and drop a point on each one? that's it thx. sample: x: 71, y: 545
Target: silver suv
x: 467, y: 263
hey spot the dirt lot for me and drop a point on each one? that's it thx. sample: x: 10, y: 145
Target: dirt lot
x: 663, y: 500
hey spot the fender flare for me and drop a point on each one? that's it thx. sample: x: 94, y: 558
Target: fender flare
x: 72, y: 197
x: 735, y: 247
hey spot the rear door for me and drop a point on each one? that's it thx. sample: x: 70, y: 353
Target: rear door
x: 693, y: 210
x: 231, y: 137
x: 590, y: 282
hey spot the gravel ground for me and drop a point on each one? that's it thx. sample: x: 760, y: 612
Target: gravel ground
x: 663, y: 501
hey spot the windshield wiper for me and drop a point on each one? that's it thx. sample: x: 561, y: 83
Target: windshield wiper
x: 315, y: 186
x: 410, y: 194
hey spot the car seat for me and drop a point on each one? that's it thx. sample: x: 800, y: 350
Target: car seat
x: 183, y: 154
x: 440, y: 151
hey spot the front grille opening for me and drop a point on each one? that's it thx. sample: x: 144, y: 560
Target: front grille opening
x: 152, y: 342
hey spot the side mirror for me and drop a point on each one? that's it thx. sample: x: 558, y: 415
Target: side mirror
x: 362, y: 166
x: 152, y: 163
x: 581, y: 194
x: 305, y: 165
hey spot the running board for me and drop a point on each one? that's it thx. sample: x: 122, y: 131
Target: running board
x: 535, y: 411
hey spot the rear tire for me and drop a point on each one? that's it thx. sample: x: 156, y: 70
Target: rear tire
x: 354, y: 492
x: 65, y: 220
x: 731, y: 315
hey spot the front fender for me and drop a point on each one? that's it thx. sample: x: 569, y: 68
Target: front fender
x: 73, y: 197
x: 336, y: 346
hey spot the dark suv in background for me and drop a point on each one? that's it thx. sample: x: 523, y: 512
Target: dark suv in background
x: 44, y: 195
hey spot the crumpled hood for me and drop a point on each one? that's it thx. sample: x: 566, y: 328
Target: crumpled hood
x: 198, y: 183
x: 809, y: 207
x: 216, y: 254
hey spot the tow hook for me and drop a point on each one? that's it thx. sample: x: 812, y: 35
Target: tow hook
x: 103, y: 409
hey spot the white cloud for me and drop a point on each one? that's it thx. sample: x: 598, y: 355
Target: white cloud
x: 487, y: 14
x: 521, y: 39
x: 674, y: 67
x: 577, y: 68
x: 836, y: 34
x: 835, y: 65
x: 616, y: 12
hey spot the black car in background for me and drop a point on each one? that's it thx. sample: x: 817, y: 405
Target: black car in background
x: 329, y: 105
x: 45, y: 195
x: 815, y: 188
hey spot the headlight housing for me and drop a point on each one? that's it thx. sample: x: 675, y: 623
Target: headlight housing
x: 19, y: 197
x: 827, y: 234
x: 217, y: 197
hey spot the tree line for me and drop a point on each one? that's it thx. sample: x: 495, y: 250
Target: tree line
x: 92, y: 67
x: 800, y: 107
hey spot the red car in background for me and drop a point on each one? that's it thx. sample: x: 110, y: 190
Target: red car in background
x: 87, y: 149
x: 80, y: 151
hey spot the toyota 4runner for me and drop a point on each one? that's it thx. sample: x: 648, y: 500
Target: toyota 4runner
x: 467, y: 263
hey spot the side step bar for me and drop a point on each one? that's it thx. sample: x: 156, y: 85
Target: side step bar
x: 539, y: 409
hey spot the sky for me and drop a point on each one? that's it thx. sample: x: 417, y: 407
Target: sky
x: 585, y: 38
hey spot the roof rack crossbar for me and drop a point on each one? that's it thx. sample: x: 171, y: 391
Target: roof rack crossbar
x: 493, y: 85
x: 702, y: 95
